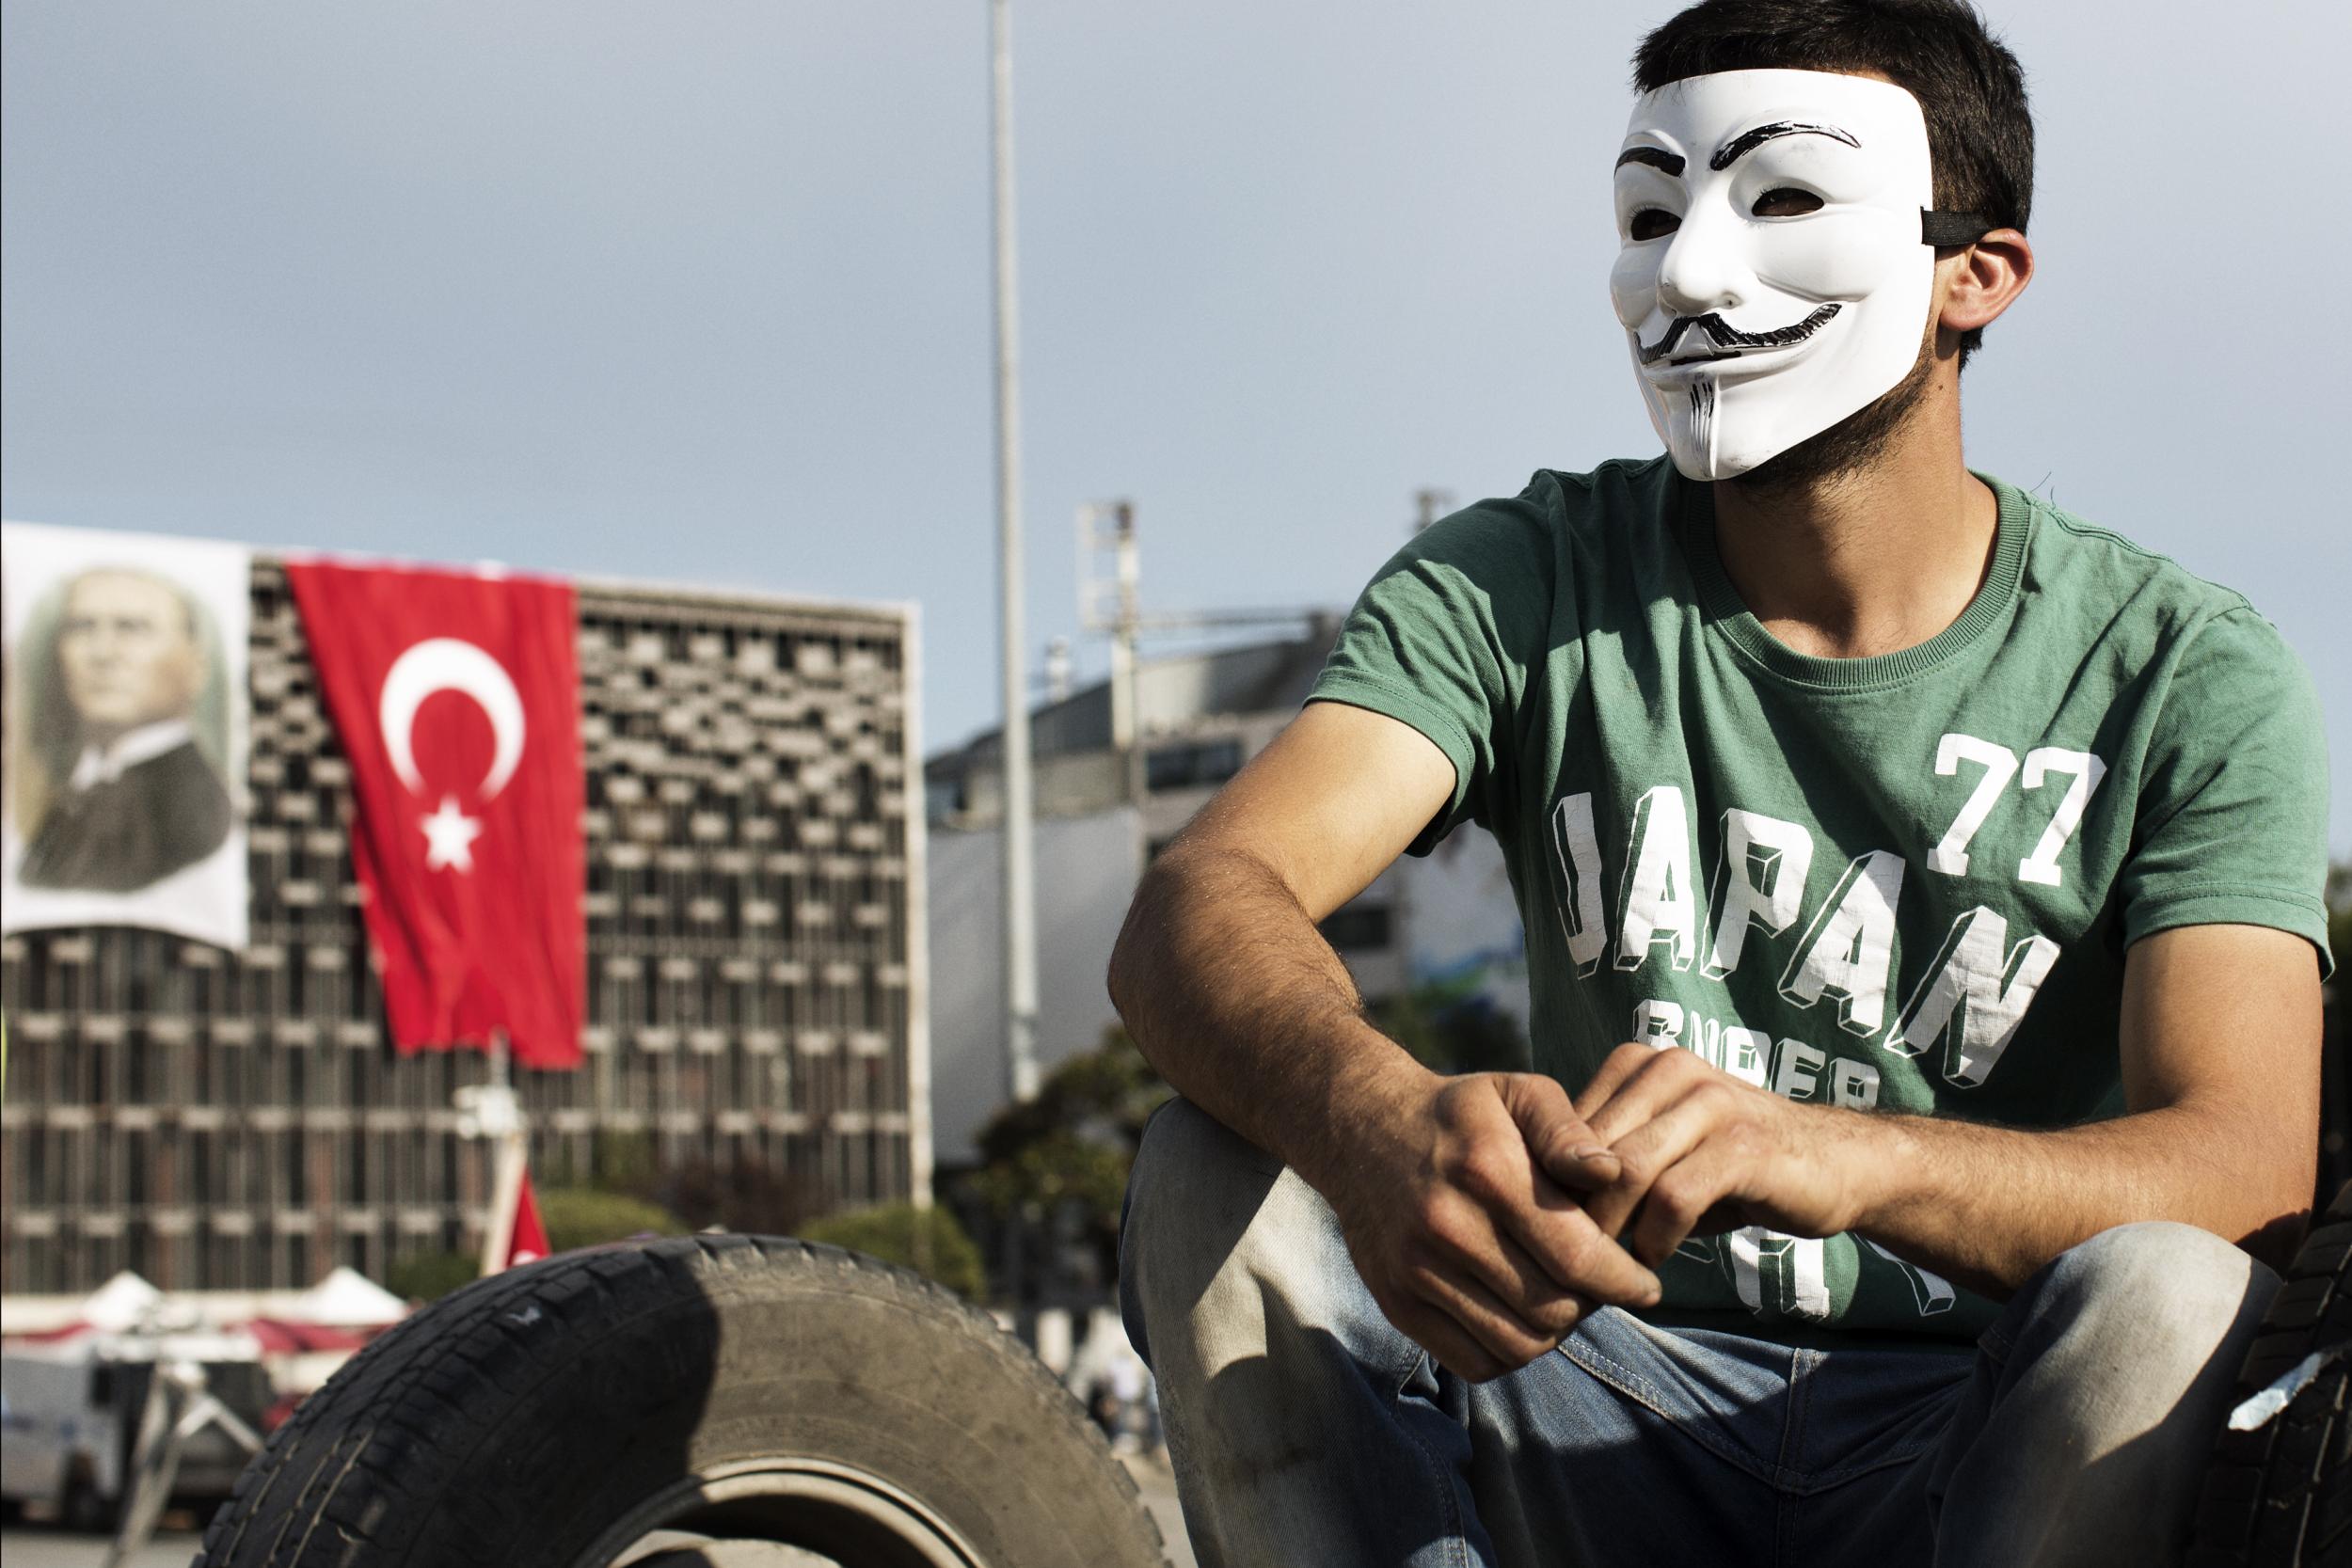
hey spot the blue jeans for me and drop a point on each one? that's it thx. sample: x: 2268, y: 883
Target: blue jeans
x: 1305, y: 1429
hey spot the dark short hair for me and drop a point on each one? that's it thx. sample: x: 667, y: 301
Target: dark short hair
x: 1970, y: 88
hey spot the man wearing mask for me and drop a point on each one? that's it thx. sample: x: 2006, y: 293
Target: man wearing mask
x: 1922, y: 893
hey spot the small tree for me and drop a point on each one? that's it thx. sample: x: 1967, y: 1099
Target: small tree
x: 1068, y: 1150
x: 928, y: 1240
x: 750, y: 1197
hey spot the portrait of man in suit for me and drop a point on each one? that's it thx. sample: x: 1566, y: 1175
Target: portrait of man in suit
x: 124, y: 794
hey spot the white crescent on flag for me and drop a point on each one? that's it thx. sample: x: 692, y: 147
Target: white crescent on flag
x: 476, y: 862
x: 450, y: 664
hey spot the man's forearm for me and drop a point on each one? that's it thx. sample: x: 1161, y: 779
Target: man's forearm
x: 1230, y: 991
x: 1987, y: 1206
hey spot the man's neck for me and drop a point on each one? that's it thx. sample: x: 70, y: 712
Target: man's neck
x: 1872, y: 561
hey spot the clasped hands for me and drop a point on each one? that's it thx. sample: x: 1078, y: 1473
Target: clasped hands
x: 1492, y: 1212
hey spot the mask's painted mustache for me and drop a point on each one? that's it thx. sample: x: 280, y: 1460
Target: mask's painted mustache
x: 1730, y: 339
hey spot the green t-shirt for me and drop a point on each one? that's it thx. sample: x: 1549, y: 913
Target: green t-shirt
x: 1905, y: 881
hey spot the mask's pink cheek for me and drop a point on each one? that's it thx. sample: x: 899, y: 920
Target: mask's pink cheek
x: 1634, y: 282
x: 1838, y: 256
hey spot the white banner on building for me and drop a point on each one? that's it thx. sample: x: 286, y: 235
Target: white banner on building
x: 122, y: 792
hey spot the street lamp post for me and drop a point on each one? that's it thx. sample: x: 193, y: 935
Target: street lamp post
x: 1020, y: 883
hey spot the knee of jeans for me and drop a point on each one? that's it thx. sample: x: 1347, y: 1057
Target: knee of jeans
x: 1216, y: 1234
x: 2168, y: 1291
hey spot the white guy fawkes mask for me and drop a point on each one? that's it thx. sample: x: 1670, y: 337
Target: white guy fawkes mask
x: 1776, y: 268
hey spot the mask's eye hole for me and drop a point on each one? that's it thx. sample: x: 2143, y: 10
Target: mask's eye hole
x: 1785, y: 201
x: 1652, y: 223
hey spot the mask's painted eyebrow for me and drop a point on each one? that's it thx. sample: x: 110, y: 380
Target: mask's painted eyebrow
x: 1656, y: 157
x: 1748, y: 141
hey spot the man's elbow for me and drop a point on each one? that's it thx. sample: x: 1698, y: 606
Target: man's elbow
x: 2276, y: 1227
x: 1117, y: 980
x: 1172, y: 883
x: 1124, y: 979
x: 2269, y: 1194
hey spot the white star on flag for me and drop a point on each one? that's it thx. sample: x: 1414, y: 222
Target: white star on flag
x: 449, y: 836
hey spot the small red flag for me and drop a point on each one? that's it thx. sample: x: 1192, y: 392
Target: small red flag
x: 456, y: 697
x: 527, y: 1242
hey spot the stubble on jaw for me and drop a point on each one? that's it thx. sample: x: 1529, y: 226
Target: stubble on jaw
x: 1850, y: 445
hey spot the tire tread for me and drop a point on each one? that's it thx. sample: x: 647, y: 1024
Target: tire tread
x: 2280, y: 1495
x: 347, y: 1480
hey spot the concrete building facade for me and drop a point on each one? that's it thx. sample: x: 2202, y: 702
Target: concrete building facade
x: 1103, y: 814
x: 757, y: 974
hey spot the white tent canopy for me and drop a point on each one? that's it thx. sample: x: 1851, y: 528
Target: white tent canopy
x: 347, y: 1299
x: 120, y: 1302
x: 127, y: 1303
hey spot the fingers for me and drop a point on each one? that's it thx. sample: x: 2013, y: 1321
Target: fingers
x: 1520, y: 1205
x: 1634, y: 1085
x: 1686, y: 1199
x: 1474, y: 1334
x: 1469, y: 1236
x: 1493, y: 1259
x: 1622, y: 1064
x: 1654, y: 1106
x: 1575, y: 1252
x: 1563, y: 1146
x: 1547, y: 1306
x: 1449, y: 1344
x: 1652, y: 1149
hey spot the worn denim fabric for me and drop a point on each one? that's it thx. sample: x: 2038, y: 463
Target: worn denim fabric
x: 1305, y: 1429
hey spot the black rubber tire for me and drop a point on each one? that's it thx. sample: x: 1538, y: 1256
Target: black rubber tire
x: 526, y: 1419
x: 2280, y: 1495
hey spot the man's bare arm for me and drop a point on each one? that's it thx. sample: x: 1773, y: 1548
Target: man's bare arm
x: 2220, y: 1039
x: 1220, y: 972
x: 1439, y: 1184
x: 2220, y: 1059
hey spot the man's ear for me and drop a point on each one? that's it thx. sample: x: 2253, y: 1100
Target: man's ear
x: 1989, y: 277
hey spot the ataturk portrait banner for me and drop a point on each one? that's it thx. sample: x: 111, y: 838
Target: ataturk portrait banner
x: 457, y: 698
x: 123, y: 796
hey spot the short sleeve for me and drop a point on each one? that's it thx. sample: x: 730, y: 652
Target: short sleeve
x: 2232, y: 816
x: 1442, y: 640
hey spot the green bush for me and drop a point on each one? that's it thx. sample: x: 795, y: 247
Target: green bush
x: 574, y: 1217
x: 579, y: 1216
x: 892, y: 1232
x: 431, y: 1275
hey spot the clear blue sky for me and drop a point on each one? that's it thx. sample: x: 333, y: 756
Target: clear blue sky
x: 699, y: 292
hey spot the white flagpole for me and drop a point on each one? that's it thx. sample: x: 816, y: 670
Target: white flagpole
x: 492, y: 1111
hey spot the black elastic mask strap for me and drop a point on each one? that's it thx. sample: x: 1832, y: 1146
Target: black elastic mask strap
x: 1942, y: 230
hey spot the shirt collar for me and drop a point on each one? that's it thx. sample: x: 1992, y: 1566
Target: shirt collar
x: 129, y: 749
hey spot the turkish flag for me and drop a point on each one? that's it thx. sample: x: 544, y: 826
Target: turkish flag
x: 526, y: 1242
x: 456, y: 697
